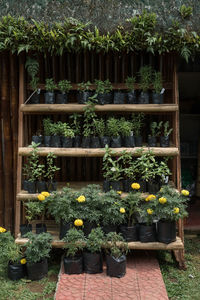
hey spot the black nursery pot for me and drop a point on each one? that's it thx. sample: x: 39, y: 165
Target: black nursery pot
x: 151, y: 141
x: 61, y: 98
x: 147, y: 233
x: 92, y: 263
x: 138, y: 141
x: 164, y: 141
x: 116, y: 267
x: 56, y: 141
x: 95, y: 142
x: 25, y: 228
x: 129, y: 233
x: 153, y: 187
x: 129, y: 141
x: 31, y: 187
x: 143, y: 98
x: 131, y: 97
x: 47, y: 141
x: 119, y: 97
x: 127, y: 185
x: 106, y: 186
x: 110, y: 228
x: 88, y: 226
x: 83, y: 97
x: 41, y: 186
x: 166, y: 231
x: 37, y: 139
x: 51, y: 186
x: 116, y: 142
x: 37, y: 271
x: 49, y: 98
x: 73, y: 265
x: 40, y: 228
x: 157, y: 98
x: 67, y: 142
x: 35, y: 99
x: 25, y: 185
x: 64, y: 227
x: 105, y: 98
x: 15, y: 271
x: 104, y: 140
x: 77, y: 141
x: 115, y: 185
x: 85, y: 142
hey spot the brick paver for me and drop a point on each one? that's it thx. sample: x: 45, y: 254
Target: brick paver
x: 143, y: 281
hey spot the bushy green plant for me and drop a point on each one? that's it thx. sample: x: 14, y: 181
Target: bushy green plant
x: 137, y: 123
x: 95, y: 240
x: 185, y: 11
x: 64, y: 86
x: 145, y: 74
x: 146, y: 163
x: 67, y: 131
x: 51, y: 169
x: 147, y: 212
x: 89, y: 117
x: 74, y: 242
x: 111, y: 166
x: 10, y: 251
x: 50, y: 85
x: 156, y: 128
x: 131, y: 204
x: 75, y: 122
x: 115, y: 245
x: 125, y: 127
x: 34, y: 209
x: 99, y: 127
x: 157, y: 82
x: 103, y: 86
x: 167, y: 131
x: 84, y: 86
x: 34, y: 83
x: 38, y: 247
x: 113, y: 127
x: 162, y: 170
x: 47, y: 125
x: 130, y: 83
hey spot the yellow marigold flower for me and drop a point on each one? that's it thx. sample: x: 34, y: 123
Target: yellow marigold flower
x: 150, y: 197
x: 150, y: 211
x: 41, y: 197
x: 78, y: 222
x: 135, y: 186
x: 122, y: 210
x: 162, y: 200
x: 23, y: 261
x: 81, y: 198
x: 185, y: 193
x: 2, y: 230
x: 46, y: 194
x: 119, y: 192
x: 176, y: 210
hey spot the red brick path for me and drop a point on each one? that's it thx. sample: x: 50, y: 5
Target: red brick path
x: 143, y: 281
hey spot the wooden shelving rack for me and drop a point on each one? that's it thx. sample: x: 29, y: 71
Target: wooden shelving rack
x: 171, y: 109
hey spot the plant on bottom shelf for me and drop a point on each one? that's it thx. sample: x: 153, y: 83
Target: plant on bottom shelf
x: 51, y: 169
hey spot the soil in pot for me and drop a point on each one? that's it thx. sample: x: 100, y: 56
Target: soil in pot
x: 25, y: 228
x: 67, y: 142
x: 37, y: 271
x: 85, y: 142
x: 15, y: 271
x: 131, y: 97
x: 138, y: 141
x: 35, y: 99
x: 153, y: 187
x: 147, y: 233
x: 49, y: 98
x: 164, y: 141
x: 151, y: 141
x: 143, y: 98
x: 110, y: 228
x: 115, y: 185
x: 64, y: 227
x: 77, y: 141
x: 116, y: 267
x: 40, y: 228
x: 129, y: 233
x: 31, y: 187
x: 83, y: 97
x: 129, y: 141
x: 47, y: 141
x: 51, y: 186
x: 166, y: 231
x: 56, y: 141
x: 95, y: 142
x: 119, y: 97
x: 127, y: 185
x: 106, y: 186
x: 38, y: 139
x: 104, y: 140
x: 157, y: 98
x: 41, y: 186
x: 116, y: 142
x: 92, y: 263
x: 88, y: 226
x: 73, y: 265
x: 61, y: 98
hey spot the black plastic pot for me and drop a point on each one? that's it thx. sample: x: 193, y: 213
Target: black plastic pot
x: 138, y: 141
x: 143, y: 185
x: 61, y: 98
x: 92, y: 263
x: 77, y: 141
x: 88, y: 226
x: 25, y: 228
x: 143, y: 98
x: 25, y: 185
x: 105, y: 98
x: 41, y: 186
x: 37, y: 139
x: 47, y: 141
x: 151, y: 141
x: 64, y: 227
x: 55, y: 141
x: 116, y: 267
x: 157, y: 98
x: 49, y: 98
x: 15, y: 271
x: 106, y: 186
x: 35, y: 99
x: 40, y: 228
x: 164, y: 141
x: 31, y: 187
x: 119, y: 97
x: 116, y: 142
x: 147, y: 233
x: 104, y: 140
x: 95, y: 142
x: 110, y: 228
x: 166, y: 231
x: 127, y: 185
x: 115, y: 185
x: 85, y: 142
x: 131, y: 97
x: 129, y: 233
x: 51, y: 186
x: 73, y: 265
x: 83, y: 97
x: 153, y: 187
x: 37, y: 271
x: 129, y: 141
x: 67, y: 142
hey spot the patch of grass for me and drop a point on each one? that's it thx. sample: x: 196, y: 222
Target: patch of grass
x: 183, y: 285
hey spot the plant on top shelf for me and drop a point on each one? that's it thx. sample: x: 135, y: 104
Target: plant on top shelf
x: 32, y: 67
x: 126, y: 132
x: 164, y: 139
x: 49, y: 95
x: 131, y: 95
x: 157, y: 96
x: 75, y: 123
x: 155, y: 129
x: 64, y: 87
x: 137, y: 124
x: 103, y: 91
x: 145, y: 74
x: 85, y: 92
x: 51, y: 169
x: 113, y: 130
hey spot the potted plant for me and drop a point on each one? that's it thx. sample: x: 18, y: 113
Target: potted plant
x: 32, y: 67
x: 126, y: 133
x: 74, y: 244
x: 88, y: 127
x: 100, y: 129
x: 116, y: 249
x: 131, y: 94
x: 162, y: 173
x: 92, y: 256
x: 49, y: 95
x: 164, y: 140
x: 171, y: 206
x: 113, y: 130
x: 85, y: 92
x: 67, y: 136
x: 155, y: 131
x: 34, y: 209
x: 103, y: 91
x: 128, y: 170
x: 145, y: 74
x: 37, y: 251
x: 64, y: 87
x: 76, y: 126
x: 119, y: 97
x: 157, y: 95
x: 38, y: 138
x: 51, y: 169
x: 137, y: 123
x: 47, y: 126
x: 56, y: 133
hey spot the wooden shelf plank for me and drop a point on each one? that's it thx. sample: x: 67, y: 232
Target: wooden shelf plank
x: 95, y: 152
x: 74, y: 107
